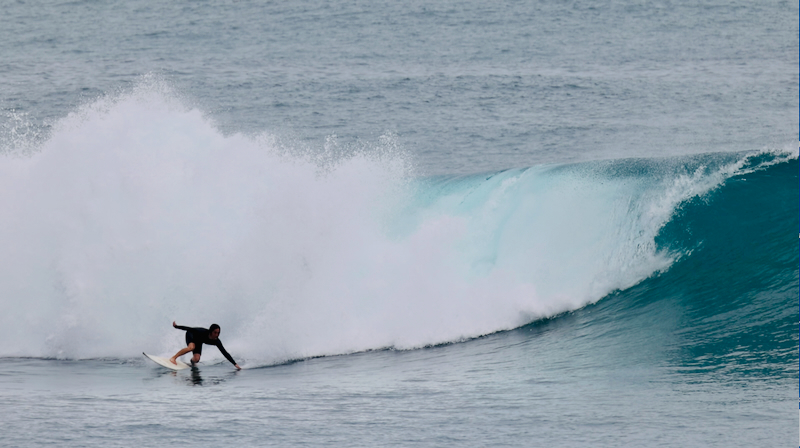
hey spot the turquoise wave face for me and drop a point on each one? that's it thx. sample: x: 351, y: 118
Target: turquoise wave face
x: 739, y: 287
x: 728, y: 304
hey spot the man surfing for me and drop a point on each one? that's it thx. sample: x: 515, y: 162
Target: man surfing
x: 196, y: 337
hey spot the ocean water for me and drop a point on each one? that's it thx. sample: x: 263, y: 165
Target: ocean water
x: 418, y: 224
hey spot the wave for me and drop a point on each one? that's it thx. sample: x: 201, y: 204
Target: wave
x: 136, y: 211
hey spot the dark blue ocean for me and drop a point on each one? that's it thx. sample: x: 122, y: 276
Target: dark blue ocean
x: 543, y: 224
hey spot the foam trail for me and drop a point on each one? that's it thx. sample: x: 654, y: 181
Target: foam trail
x: 137, y: 211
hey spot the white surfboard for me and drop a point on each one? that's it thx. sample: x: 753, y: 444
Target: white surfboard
x: 166, y: 363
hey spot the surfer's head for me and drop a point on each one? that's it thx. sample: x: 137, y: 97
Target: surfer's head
x: 213, y: 331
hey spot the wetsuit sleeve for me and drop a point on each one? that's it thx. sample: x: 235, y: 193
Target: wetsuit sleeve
x: 225, y: 352
x: 193, y: 329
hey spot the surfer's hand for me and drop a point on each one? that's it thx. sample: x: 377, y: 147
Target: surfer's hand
x: 237, y: 367
x: 174, y: 324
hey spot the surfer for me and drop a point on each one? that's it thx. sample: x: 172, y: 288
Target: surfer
x: 196, y: 337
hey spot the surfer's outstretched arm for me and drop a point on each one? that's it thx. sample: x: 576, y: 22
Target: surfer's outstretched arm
x: 195, y: 329
x: 227, y: 355
x: 181, y: 327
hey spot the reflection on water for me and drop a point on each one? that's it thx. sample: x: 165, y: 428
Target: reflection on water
x: 196, y: 378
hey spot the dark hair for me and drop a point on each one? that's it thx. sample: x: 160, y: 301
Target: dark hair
x: 213, y: 327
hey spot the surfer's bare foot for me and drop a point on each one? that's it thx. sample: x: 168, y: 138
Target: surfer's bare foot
x: 172, y: 360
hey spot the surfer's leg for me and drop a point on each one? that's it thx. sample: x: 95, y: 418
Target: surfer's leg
x: 184, y: 351
x: 198, y: 350
x: 190, y: 347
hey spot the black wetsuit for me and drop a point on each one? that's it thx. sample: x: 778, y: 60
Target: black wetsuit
x: 200, y: 336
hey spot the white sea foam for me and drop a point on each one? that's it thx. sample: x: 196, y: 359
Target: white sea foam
x: 137, y: 211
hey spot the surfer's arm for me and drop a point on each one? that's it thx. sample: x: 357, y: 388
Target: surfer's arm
x: 181, y: 327
x: 226, y: 354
